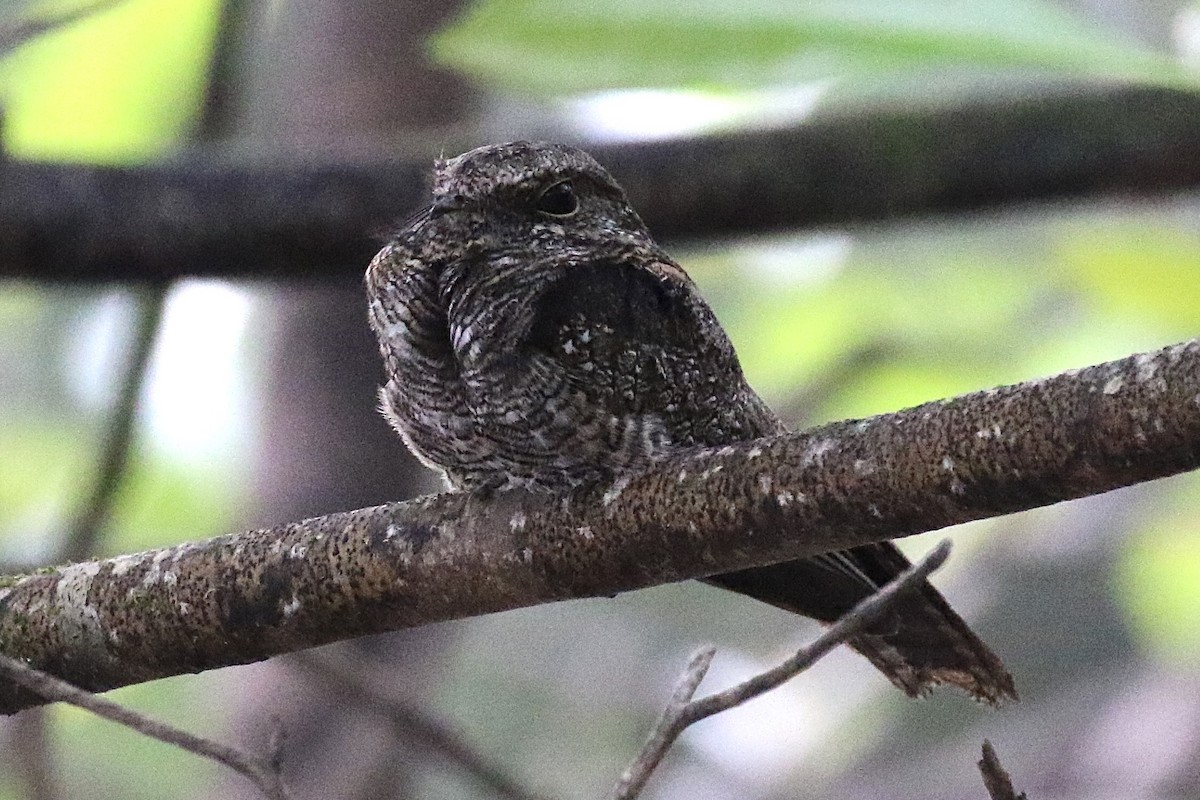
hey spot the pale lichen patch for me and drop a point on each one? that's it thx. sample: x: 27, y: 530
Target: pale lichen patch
x: 155, y: 573
x: 80, y: 620
x: 993, y: 432
x: 1115, y: 384
x: 815, y: 452
x: 785, y: 499
x: 766, y: 484
x: 875, y: 512
x: 586, y: 532
x: 122, y: 564
x: 958, y: 487
x: 517, y: 521
x: 948, y: 463
x: 291, y: 606
x: 298, y: 550
x: 865, y: 466
x: 1147, y: 366
x: 755, y: 452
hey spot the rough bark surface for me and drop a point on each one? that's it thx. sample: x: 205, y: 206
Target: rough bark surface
x: 247, y: 596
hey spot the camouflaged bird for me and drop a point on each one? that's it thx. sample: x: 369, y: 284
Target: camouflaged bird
x: 535, y: 336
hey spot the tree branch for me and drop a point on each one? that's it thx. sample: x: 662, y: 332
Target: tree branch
x: 263, y: 772
x: 995, y: 777
x: 683, y: 711
x: 204, y: 214
x: 248, y: 596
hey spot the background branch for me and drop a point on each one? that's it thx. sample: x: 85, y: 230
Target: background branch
x: 264, y: 772
x: 247, y: 596
x: 683, y: 711
x: 84, y: 532
x: 203, y: 214
x: 352, y: 683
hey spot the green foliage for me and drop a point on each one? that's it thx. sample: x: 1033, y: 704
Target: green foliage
x: 552, y: 48
x: 122, y: 85
x: 47, y: 468
x: 1148, y: 273
x: 107, y: 760
x: 1158, y: 580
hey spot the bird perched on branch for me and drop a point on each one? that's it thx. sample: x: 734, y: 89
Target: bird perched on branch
x: 534, y: 335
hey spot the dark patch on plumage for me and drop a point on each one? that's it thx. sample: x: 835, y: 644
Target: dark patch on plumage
x: 634, y: 307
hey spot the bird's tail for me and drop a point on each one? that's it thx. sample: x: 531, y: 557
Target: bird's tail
x: 919, y: 644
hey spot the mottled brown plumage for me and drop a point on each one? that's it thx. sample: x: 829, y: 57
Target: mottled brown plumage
x: 534, y: 335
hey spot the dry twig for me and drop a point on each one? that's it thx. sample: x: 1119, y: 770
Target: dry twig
x: 683, y: 711
x: 995, y: 778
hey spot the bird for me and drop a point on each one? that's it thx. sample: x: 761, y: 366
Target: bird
x: 535, y: 336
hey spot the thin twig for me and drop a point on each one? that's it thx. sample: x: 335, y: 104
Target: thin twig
x: 261, y: 771
x: 84, y: 532
x: 682, y: 711
x: 352, y: 682
x: 995, y: 778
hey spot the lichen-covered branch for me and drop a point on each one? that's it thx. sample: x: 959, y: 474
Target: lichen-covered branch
x: 248, y: 596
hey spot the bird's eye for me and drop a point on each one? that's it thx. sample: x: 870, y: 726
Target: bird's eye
x: 559, y: 200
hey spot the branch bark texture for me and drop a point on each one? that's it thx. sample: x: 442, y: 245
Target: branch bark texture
x: 248, y: 596
x: 200, y: 215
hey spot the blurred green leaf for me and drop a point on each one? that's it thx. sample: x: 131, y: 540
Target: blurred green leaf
x: 18, y: 25
x: 1142, y: 269
x: 122, y: 85
x: 43, y: 466
x: 1158, y: 581
x: 47, y: 467
x: 555, y: 48
x: 103, y: 759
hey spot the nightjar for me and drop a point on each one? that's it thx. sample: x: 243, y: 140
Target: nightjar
x: 534, y: 335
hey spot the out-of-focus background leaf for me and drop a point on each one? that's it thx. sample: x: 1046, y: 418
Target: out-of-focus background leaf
x: 123, y: 84
x: 543, y: 46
